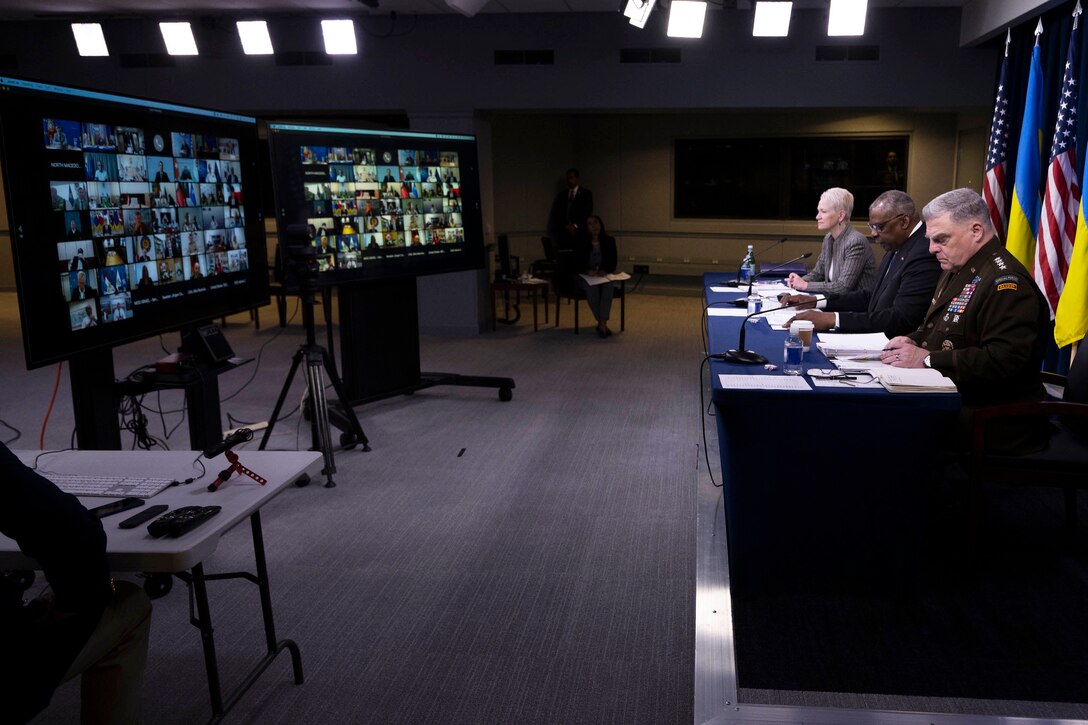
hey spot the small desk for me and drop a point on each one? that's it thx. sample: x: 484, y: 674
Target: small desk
x: 508, y: 286
x: 134, y: 550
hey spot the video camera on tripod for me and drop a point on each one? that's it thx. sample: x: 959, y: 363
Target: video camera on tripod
x: 300, y: 268
x: 300, y: 276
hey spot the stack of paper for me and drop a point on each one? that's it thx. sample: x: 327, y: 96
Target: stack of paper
x: 594, y: 280
x: 915, y: 380
x: 778, y: 318
x: 773, y: 289
x: 763, y: 382
x: 719, y: 311
x: 856, y: 347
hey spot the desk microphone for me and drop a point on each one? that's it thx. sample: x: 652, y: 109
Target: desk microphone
x: 743, y: 301
x: 239, y: 436
x: 742, y: 356
x: 737, y: 282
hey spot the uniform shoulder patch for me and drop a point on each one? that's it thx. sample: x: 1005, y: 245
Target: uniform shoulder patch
x: 1007, y: 282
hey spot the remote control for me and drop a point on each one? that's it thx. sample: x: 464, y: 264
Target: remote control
x: 182, y: 520
x: 146, y: 515
x: 116, y: 507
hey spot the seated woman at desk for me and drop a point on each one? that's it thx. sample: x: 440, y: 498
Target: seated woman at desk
x: 846, y: 259
x: 595, y: 256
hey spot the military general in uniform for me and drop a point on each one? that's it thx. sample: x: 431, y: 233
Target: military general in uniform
x: 986, y: 325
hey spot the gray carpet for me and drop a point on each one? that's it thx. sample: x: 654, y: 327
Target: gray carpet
x: 547, y: 575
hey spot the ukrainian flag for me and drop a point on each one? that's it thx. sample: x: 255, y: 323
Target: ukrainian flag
x: 1071, y: 316
x: 1026, y: 203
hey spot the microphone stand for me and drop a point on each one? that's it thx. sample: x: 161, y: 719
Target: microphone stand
x: 741, y: 356
x: 235, y: 467
x: 737, y: 282
x: 225, y: 447
x: 743, y: 301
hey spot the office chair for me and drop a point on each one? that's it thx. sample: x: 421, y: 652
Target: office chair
x: 547, y: 267
x: 1064, y: 462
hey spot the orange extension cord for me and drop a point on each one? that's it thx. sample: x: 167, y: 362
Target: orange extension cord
x: 52, y: 399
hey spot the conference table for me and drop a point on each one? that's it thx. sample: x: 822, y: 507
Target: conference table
x: 823, y: 486
x: 134, y: 550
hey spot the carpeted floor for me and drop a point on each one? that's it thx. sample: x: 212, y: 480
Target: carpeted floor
x: 546, y: 575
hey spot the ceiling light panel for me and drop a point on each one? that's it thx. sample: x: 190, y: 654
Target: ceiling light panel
x: 339, y: 37
x: 178, y: 38
x: 772, y: 19
x: 255, y: 38
x: 686, y: 19
x: 89, y: 39
x: 847, y: 17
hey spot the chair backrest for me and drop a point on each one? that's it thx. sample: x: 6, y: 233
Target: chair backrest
x: 549, y: 248
x: 564, y: 280
x: 1076, y: 383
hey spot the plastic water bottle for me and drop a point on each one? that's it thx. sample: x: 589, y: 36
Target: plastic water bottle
x: 755, y: 303
x: 793, y: 352
x: 748, y: 266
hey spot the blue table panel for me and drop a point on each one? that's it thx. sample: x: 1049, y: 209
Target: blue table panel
x: 825, y: 486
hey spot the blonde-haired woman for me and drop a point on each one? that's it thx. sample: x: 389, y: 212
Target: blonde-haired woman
x: 846, y: 260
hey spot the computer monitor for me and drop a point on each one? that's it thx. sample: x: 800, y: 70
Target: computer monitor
x: 379, y: 204
x: 129, y: 217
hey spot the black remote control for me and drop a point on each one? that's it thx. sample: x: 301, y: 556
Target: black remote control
x: 182, y: 520
x: 146, y: 515
x: 116, y: 507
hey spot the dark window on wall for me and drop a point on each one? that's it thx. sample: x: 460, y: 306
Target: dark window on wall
x: 782, y: 178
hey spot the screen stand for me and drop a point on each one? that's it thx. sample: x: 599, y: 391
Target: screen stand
x: 379, y: 345
x: 94, y: 400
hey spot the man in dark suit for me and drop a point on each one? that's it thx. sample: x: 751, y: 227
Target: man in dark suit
x: 905, y: 280
x: 569, y: 212
x: 77, y: 264
x: 83, y: 291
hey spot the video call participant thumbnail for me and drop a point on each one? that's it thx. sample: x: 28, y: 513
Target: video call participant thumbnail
x: 82, y: 315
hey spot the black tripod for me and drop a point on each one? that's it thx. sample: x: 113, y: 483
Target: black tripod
x: 318, y: 362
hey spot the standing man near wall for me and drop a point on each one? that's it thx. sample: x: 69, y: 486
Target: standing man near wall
x: 569, y: 212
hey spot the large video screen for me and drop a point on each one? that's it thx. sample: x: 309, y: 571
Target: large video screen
x: 379, y: 204
x: 129, y: 217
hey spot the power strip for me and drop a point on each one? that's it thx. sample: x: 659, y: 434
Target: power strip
x: 252, y: 426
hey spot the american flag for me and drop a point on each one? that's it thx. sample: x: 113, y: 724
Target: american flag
x: 1061, y: 201
x: 993, y: 187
